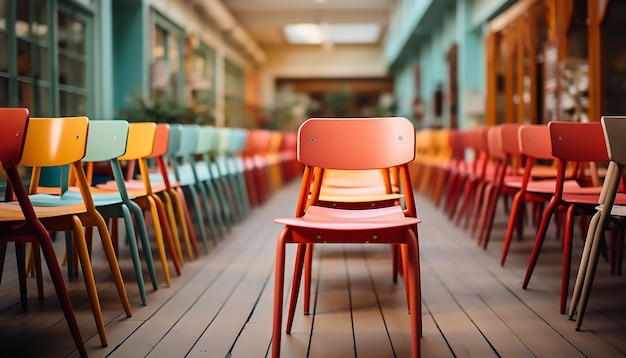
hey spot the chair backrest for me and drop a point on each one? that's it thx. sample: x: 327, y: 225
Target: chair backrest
x: 140, y: 140
x: 510, y: 139
x: 206, y: 139
x: 534, y: 141
x: 13, y: 128
x: 106, y: 140
x: 576, y: 141
x: 188, y: 139
x: 55, y: 141
x: 356, y: 143
x: 494, y: 142
x: 175, y: 139
x: 615, y: 137
x: 161, y: 140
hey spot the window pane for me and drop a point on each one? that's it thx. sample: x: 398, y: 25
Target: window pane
x: 64, y: 31
x: 79, y: 73
x: 64, y: 70
x: 25, y: 94
x: 65, y: 100
x: 44, y: 100
x: 78, y: 37
x: 3, y: 14
x: 4, y: 66
x: 158, y: 51
x: 44, y: 64
x: 4, y: 92
x: 23, y: 59
x: 22, y: 29
x: 40, y: 25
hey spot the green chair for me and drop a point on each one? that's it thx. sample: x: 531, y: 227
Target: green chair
x: 106, y: 142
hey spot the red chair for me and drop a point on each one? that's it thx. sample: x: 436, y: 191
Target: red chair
x: 13, y: 126
x: 571, y: 142
x: 504, y: 149
x: 350, y: 144
x: 534, y: 144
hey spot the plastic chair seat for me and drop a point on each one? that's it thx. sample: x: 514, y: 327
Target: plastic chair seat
x: 318, y: 217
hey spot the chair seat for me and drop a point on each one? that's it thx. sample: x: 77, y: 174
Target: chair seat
x: 545, y: 186
x: 12, y: 212
x: 323, y: 218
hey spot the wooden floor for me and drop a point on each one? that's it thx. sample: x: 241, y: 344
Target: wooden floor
x: 221, y: 305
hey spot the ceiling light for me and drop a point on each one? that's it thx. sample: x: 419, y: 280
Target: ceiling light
x: 315, y: 34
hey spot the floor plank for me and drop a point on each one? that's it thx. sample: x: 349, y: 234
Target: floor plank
x: 221, y: 305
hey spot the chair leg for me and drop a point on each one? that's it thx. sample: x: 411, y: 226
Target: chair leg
x: 295, y: 285
x: 279, y: 281
x: 584, y: 261
x: 308, y: 267
x: 20, y: 256
x: 167, y: 232
x: 541, y: 235
x: 513, y: 218
x: 567, y: 256
x: 105, y: 238
x: 61, y: 290
x: 142, y: 230
x: 90, y: 283
x: 134, y: 253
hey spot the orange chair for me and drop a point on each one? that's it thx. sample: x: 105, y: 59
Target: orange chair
x: 351, y: 144
x: 65, y: 140
x: 29, y: 229
x: 571, y: 142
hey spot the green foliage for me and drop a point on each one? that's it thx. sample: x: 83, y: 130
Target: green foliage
x: 338, y: 102
x: 166, y: 110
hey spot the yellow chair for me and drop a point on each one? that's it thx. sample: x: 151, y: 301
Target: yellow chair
x: 59, y: 142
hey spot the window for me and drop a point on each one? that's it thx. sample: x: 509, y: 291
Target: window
x: 234, y: 99
x: 30, y: 74
x: 167, y: 77
x: 201, y: 80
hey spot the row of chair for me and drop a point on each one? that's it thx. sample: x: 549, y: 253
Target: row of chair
x: 221, y: 172
x: 556, y: 169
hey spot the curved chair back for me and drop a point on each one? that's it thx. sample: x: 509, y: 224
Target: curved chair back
x: 55, y: 141
x: 13, y: 135
x: 176, y: 131
x: 615, y: 139
x: 161, y: 140
x: 140, y: 140
x: 534, y: 141
x: 206, y: 139
x: 340, y: 144
x: 107, y: 139
x: 188, y: 139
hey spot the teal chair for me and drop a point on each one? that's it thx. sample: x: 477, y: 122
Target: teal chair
x: 195, y: 192
x: 106, y: 142
x: 211, y: 175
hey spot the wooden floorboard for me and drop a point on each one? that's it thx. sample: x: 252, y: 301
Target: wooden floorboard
x: 221, y: 305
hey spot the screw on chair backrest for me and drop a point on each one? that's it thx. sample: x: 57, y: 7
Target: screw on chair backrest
x: 360, y: 143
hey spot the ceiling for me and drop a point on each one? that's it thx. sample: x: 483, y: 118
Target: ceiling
x: 263, y: 20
